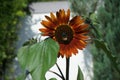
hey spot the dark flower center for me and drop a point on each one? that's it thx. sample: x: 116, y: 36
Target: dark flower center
x: 64, y: 34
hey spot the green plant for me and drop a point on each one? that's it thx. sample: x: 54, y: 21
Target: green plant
x: 37, y: 58
x: 104, y: 20
x: 10, y: 11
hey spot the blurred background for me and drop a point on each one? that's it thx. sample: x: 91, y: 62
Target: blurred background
x: 20, y: 21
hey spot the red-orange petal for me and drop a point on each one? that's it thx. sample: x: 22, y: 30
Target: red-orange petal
x: 76, y: 21
x: 74, y: 47
x: 82, y: 43
x: 62, y: 13
x: 67, y: 16
x: 81, y: 37
x: 69, y: 49
x: 48, y: 24
x: 53, y: 17
x: 83, y: 32
x: 51, y: 21
x: 58, y: 17
x: 81, y: 27
x: 46, y: 32
x: 78, y: 44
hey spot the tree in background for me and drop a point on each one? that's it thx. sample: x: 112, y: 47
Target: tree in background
x: 10, y: 12
x: 103, y: 16
x: 109, y: 18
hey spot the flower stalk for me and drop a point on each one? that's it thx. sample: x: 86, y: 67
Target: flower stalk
x: 67, y: 68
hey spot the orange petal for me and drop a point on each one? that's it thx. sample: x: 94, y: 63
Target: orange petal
x: 46, y: 32
x: 77, y: 23
x: 48, y: 24
x: 66, y: 50
x: 78, y: 44
x: 74, y: 19
x: 82, y: 43
x: 48, y: 18
x: 83, y: 32
x: 53, y: 17
x: 80, y: 37
x: 51, y: 21
x: 81, y: 27
x: 62, y: 49
x: 58, y: 17
x: 43, y: 29
x: 67, y: 16
x: 74, y: 48
x: 62, y: 16
x: 69, y: 50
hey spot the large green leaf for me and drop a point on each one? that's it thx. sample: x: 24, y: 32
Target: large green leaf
x: 80, y: 74
x: 22, y: 55
x: 39, y: 57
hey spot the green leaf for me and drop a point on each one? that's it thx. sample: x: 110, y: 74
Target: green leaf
x: 102, y: 45
x: 80, y: 74
x: 53, y: 79
x: 22, y: 55
x: 39, y: 57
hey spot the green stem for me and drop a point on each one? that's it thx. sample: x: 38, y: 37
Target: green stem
x: 67, y: 68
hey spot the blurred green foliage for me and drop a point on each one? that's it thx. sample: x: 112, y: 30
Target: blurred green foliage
x: 103, y: 17
x: 83, y: 7
x: 10, y: 12
x: 109, y: 18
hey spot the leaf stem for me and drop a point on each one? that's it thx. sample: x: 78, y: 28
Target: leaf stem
x: 60, y: 71
x: 67, y: 68
x: 56, y: 74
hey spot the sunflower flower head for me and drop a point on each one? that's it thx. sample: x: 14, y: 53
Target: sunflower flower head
x: 70, y: 34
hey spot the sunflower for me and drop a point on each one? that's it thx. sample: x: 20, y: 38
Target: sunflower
x: 70, y: 34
